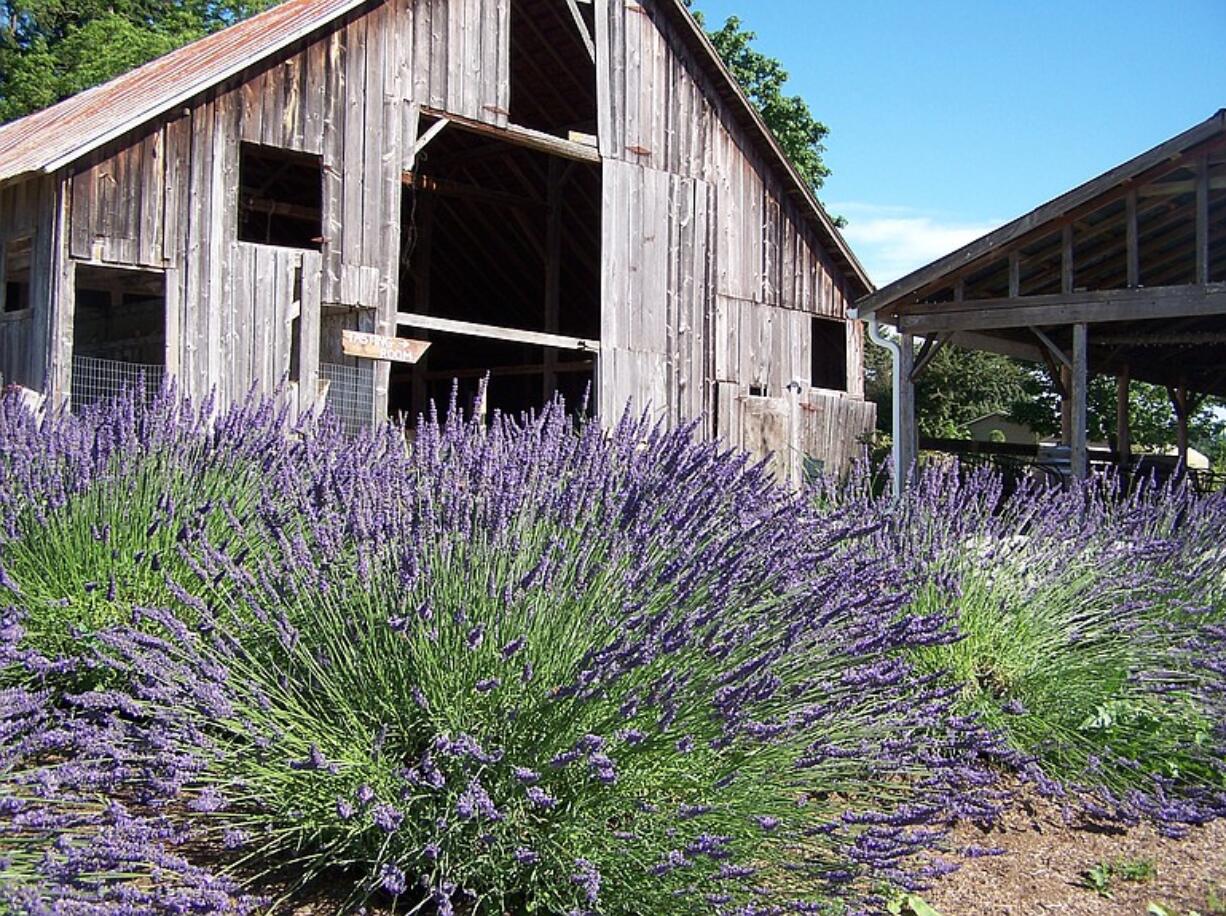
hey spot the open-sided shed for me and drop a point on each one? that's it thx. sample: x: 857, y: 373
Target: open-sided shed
x: 556, y: 193
x: 1123, y: 276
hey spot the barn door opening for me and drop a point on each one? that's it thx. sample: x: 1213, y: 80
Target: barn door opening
x: 119, y: 333
x: 500, y: 271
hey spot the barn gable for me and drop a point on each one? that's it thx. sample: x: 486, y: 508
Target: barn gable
x: 558, y: 193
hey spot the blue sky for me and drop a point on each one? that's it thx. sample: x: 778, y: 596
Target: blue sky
x: 949, y: 118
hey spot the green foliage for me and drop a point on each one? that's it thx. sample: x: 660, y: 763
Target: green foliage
x: 1100, y: 877
x: 907, y: 904
x: 1151, y: 415
x: 957, y: 387
x: 83, y: 566
x: 764, y: 79
x: 50, y: 49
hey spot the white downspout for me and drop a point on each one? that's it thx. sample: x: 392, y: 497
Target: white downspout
x: 875, y: 335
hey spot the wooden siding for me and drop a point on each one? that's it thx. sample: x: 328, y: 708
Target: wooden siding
x: 27, y: 210
x: 168, y: 199
x: 656, y: 292
x: 799, y: 432
x: 659, y: 109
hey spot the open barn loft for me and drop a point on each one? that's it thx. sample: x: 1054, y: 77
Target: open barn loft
x: 1124, y: 276
x: 359, y: 203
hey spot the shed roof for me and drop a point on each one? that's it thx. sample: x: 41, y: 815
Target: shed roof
x: 1136, y: 255
x: 1042, y: 219
x: 57, y: 136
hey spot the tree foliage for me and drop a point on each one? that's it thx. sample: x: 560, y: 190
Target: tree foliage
x: 763, y: 78
x: 51, y: 49
x: 958, y: 386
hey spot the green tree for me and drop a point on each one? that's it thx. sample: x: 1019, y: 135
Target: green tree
x: 956, y: 387
x: 763, y: 78
x: 51, y: 49
x: 1151, y: 415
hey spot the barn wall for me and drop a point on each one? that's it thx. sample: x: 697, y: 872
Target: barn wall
x: 167, y: 199
x: 656, y: 288
x: 28, y: 209
x: 768, y: 273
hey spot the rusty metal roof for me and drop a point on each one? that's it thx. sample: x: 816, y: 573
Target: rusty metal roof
x: 56, y: 136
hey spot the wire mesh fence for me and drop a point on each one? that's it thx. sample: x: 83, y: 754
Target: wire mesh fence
x: 96, y: 380
x: 349, y: 393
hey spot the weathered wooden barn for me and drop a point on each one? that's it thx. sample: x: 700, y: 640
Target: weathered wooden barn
x: 556, y: 193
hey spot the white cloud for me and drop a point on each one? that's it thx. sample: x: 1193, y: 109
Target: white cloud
x: 893, y: 241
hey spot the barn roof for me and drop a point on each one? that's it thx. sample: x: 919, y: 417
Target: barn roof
x: 57, y: 136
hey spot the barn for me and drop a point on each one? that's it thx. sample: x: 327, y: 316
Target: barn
x: 562, y: 195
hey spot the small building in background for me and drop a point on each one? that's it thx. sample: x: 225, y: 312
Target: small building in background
x: 997, y: 427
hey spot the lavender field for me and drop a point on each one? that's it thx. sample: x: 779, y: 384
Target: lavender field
x: 528, y: 666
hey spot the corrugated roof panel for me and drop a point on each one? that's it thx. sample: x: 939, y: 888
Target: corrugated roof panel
x: 56, y: 136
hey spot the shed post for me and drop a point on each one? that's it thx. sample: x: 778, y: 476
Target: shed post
x: 1080, y: 418
x: 1179, y: 400
x: 1123, y: 419
x: 908, y: 432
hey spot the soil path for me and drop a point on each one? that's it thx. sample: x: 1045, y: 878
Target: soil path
x: 1047, y: 859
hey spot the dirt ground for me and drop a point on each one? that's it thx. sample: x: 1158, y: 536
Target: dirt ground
x: 1047, y: 860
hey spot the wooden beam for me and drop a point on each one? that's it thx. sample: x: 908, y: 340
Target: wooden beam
x: 1086, y: 306
x: 1132, y: 242
x: 1179, y: 400
x: 1090, y: 196
x: 1202, y: 219
x: 1015, y: 274
x: 1066, y: 259
x: 1005, y: 346
x: 907, y: 446
x: 1175, y: 188
x: 1051, y: 346
x: 445, y: 187
x: 581, y: 25
x: 493, y: 332
x: 932, y: 346
x: 1080, y: 412
x: 524, y: 137
x: 424, y: 140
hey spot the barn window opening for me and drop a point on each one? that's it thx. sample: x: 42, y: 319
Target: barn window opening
x: 500, y: 271
x: 17, y: 257
x: 119, y: 333
x: 280, y: 199
x: 828, y: 355
x: 553, y: 75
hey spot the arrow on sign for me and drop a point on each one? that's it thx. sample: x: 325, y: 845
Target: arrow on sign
x: 374, y: 346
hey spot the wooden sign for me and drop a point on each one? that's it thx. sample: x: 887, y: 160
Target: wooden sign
x: 373, y: 346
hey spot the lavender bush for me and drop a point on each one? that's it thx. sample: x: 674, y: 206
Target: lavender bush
x: 518, y: 667
x: 1091, y: 624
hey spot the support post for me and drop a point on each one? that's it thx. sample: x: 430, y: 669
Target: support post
x: 1202, y: 220
x: 1066, y: 406
x: 1080, y: 418
x: 908, y: 430
x: 1123, y: 418
x: 420, y: 264
x: 1179, y: 400
x: 1132, y: 242
x: 553, y: 275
